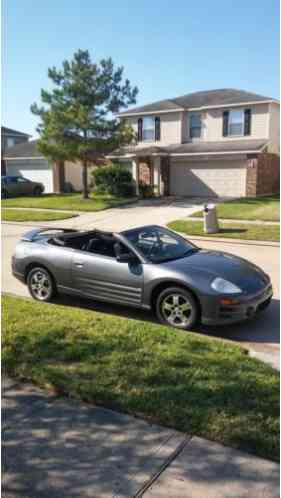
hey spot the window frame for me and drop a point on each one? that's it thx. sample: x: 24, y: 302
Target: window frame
x: 152, y: 120
x: 242, y: 112
x: 191, y: 115
x: 9, y: 140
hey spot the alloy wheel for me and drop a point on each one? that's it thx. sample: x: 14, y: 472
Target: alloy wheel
x: 176, y: 309
x: 41, y: 285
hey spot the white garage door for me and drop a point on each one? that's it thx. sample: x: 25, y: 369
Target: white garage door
x: 210, y: 178
x: 37, y: 170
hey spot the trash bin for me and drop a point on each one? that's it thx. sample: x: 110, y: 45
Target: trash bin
x: 210, y: 219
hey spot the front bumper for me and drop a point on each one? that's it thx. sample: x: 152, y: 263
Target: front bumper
x: 214, y: 313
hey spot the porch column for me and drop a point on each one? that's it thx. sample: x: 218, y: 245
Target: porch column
x: 135, y: 172
x: 58, y: 177
x: 156, y: 175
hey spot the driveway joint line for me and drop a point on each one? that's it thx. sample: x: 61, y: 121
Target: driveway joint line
x: 181, y: 446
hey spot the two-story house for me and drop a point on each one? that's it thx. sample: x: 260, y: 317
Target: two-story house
x: 210, y: 143
x: 9, y: 138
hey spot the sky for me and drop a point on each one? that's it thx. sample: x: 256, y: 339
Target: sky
x: 168, y: 48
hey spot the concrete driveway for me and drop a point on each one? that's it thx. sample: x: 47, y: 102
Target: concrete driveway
x: 261, y: 335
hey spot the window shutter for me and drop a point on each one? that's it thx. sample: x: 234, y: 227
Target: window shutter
x: 247, y: 121
x: 140, y: 130
x: 157, y: 130
x: 225, y: 123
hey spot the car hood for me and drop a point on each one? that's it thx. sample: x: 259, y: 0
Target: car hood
x: 241, y: 272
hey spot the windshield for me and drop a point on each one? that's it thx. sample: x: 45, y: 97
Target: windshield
x: 158, y: 244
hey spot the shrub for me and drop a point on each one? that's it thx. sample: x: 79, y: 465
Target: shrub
x: 146, y: 191
x: 114, y: 179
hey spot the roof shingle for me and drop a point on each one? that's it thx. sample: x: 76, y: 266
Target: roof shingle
x: 210, y: 98
x: 228, y: 146
x: 9, y: 131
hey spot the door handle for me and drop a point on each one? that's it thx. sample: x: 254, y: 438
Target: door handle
x: 79, y: 264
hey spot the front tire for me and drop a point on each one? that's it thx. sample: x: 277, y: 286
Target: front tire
x: 176, y: 307
x: 37, y: 191
x: 41, y: 284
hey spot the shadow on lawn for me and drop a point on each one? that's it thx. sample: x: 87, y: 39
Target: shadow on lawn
x: 263, y: 328
x: 233, y: 230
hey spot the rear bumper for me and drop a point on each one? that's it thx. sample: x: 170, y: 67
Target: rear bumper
x: 15, y: 271
x: 215, y: 314
x: 19, y: 276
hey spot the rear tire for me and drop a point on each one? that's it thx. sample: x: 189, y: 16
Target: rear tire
x: 176, y: 307
x: 41, y: 284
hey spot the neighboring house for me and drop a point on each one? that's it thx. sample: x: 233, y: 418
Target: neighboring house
x: 210, y: 143
x: 25, y: 160
x: 9, y: 138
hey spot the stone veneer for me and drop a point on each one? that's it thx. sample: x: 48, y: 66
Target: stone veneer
x: 263, y: 174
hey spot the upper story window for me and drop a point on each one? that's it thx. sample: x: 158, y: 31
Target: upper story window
x: 10, y: 141
x: 149, y: 129
x: 237, y: 122
x: 195, y: 125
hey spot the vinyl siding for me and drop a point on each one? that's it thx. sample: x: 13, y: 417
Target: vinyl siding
x: 212, y: 120
x: 274, y: 128
x: 171, y: 129
x: 73, y: 174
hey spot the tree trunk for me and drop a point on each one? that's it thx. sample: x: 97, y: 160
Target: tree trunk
x: 85, y: 179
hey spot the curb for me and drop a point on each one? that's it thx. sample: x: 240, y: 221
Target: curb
x: 232, y: 220
x: 231, y: 241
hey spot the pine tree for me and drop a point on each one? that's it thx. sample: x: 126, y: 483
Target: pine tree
x: 77, y: 117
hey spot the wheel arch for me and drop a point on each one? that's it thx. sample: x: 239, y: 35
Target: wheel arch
x: 172, y: 283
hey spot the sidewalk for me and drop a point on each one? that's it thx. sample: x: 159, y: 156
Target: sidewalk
x: 55, y: 448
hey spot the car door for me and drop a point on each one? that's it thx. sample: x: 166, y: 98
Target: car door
x: 23, y: 186
x: 104, y: 278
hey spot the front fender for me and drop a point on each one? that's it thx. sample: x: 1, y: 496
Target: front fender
x: 155, y: 276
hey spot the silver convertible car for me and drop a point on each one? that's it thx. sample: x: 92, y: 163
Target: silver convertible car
x: 148, y: 267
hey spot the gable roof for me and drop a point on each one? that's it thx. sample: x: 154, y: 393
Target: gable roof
x: 23, y: 150
x: 9, y: 131
x: 204, y: 99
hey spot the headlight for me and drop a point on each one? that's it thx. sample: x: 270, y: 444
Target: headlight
x: 225, y: 287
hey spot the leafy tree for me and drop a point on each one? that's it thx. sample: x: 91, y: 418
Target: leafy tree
x: 77, y: 115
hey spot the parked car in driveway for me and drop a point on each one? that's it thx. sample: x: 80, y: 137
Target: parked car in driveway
x: 149, y: 267
x: 18, y: 185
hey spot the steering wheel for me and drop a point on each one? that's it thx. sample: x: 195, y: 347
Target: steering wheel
x: 156, y: 246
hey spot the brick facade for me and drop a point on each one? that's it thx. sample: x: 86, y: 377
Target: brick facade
x: 58, y: 176
x: 263, y: 174
x: 145, y: 171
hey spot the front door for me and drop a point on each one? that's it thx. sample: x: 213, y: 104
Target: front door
x: 104, y: 278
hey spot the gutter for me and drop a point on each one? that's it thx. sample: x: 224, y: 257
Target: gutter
x: 201, y: 108
x: 142, y: 113
x: 188, y: 154
x: 20, y: 158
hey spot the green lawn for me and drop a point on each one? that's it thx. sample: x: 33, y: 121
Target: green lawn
x: 247, y: 208
x: 243, y: 231
x: 32, y: 215
x: 183, y: 380
x: 71, y: 202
